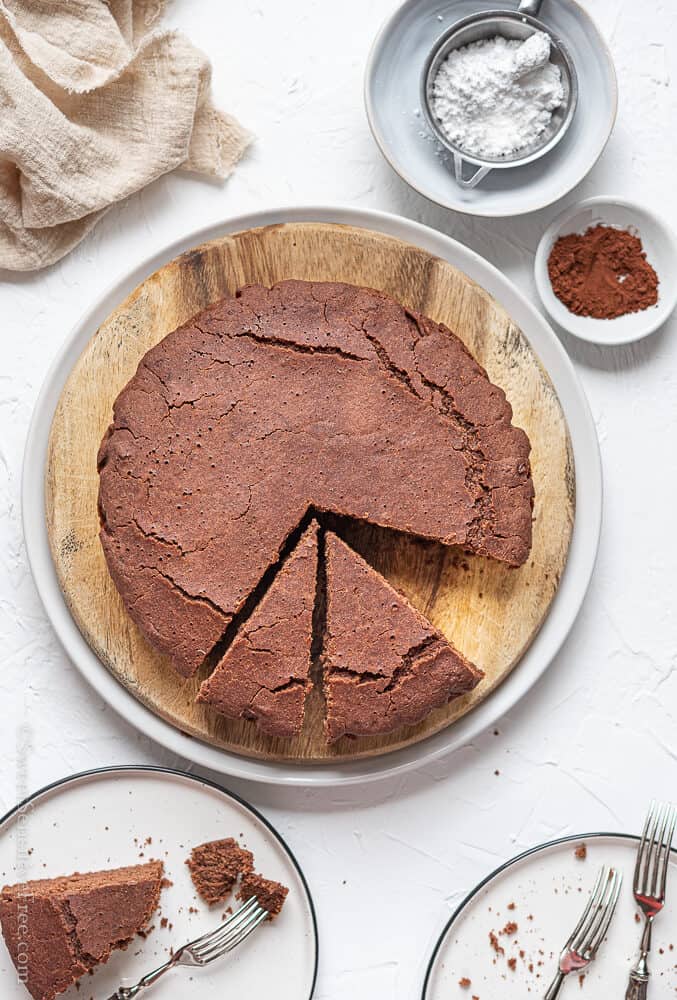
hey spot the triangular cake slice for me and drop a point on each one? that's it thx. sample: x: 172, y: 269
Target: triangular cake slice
x: 58, y: 929
x: 265, y: 673
x: 385, y: 665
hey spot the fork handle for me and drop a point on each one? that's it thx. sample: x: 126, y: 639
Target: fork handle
x: 129, y: 992
x: 555, y: 986
x: 638, y: 983
x: 638, y: 986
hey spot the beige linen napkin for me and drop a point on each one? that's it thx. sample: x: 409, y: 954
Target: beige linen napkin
x: 94, y: 105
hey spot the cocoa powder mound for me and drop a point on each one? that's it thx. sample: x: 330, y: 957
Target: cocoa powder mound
x: 602, y: 273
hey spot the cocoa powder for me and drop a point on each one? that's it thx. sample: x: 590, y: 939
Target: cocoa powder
x: 602, y: 273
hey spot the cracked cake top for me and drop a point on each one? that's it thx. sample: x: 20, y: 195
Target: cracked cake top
x: 323, y: 396
x: 385, y: 666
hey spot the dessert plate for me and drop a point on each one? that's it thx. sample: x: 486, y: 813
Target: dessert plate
x: 393, y: 100
x: 104, y: 818
x: 565, y: 604
x: 543, y: 893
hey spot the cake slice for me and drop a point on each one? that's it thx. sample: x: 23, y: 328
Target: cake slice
x: 58, y: 929
x: 265, y: 674
x: 384, y: 665
x: 216, y: 866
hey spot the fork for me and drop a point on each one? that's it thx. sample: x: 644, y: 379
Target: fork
x: 651, y: 872
x: 204, y: 949
x: 590, y: 931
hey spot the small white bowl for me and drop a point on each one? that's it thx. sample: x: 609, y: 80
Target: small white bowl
x: 661, y: 252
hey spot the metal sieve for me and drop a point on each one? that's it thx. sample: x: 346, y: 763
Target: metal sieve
x: 516, y: 24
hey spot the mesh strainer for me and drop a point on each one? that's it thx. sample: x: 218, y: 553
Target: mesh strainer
x: 516, y: 24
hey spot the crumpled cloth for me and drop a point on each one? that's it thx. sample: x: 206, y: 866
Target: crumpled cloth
x: 95, y: 104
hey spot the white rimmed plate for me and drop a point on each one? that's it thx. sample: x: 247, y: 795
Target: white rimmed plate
x: 661, y: 251
x: 102, y: 819
x: 564, y: 608
x: 548, y: 886
x: 392, y: 97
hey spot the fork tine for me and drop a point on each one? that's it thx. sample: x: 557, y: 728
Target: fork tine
x: 592, y: 902
x: 665, y: 860
x: 248, y: 930
x: 641, y: 865
x: 229, y: 930
x: 608, y: 913
x: 232, y: 921
x: 657, y: 846
x: 594, y: 916
x: 227, y: 944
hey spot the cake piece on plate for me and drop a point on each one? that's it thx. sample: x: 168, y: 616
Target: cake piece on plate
x: 216, y: 866
x: 271, y: 895
x: 58, y: 929
x: 385, y: 665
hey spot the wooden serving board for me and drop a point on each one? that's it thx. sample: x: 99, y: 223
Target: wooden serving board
x: 487, y: 610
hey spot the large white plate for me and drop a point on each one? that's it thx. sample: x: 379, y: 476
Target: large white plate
x: 549, y: 886
x: 563, y: 610
x: 102, y: 819
x: 392, y: 96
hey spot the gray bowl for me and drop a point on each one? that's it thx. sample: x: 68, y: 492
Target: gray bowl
x: 514, y: 25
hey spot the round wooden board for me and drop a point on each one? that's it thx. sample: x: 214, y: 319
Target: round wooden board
x: 487, y: 610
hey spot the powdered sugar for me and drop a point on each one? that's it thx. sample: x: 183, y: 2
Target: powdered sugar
x: 495, y: 97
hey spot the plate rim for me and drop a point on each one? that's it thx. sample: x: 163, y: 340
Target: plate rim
x: 556, y: 842
x: 465, y: 208
x: 588, y: 518
x: 84, y: 776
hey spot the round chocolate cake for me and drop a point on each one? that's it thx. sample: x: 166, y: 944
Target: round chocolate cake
x: 286, y: 403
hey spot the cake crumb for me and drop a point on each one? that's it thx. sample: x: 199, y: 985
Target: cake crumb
x: 494, y: 942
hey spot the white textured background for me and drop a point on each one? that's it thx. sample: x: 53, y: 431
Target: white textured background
x: 586, y: 748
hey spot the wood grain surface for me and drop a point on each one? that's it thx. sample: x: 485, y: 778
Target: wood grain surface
x: 490, y: 612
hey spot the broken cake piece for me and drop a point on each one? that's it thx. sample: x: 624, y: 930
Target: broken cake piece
x: 58, y: 929
x: 216, y: 866
x: 265, y: 673
x: 271, y: 895
x: 384, y: 664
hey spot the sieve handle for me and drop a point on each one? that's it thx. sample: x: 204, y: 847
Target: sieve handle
x: 468, y: 182
x: 531, y: 7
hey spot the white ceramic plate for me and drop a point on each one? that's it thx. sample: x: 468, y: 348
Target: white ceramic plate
x: 661, y: 250
x: 549, y: 886
x: 564, y: 608
x: 101, y: 820
x: 392, y: 85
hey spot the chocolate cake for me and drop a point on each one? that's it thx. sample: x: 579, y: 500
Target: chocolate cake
x: 271, y: 895
x: 321, y: 397
x: 58, y: 929
x: 216, y: 866
x: 385, y: 666
x: 265, y: 674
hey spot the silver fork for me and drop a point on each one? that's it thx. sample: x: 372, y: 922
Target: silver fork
x: 204, y: 949
x: 651, y: 872
x: 590, y: 931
